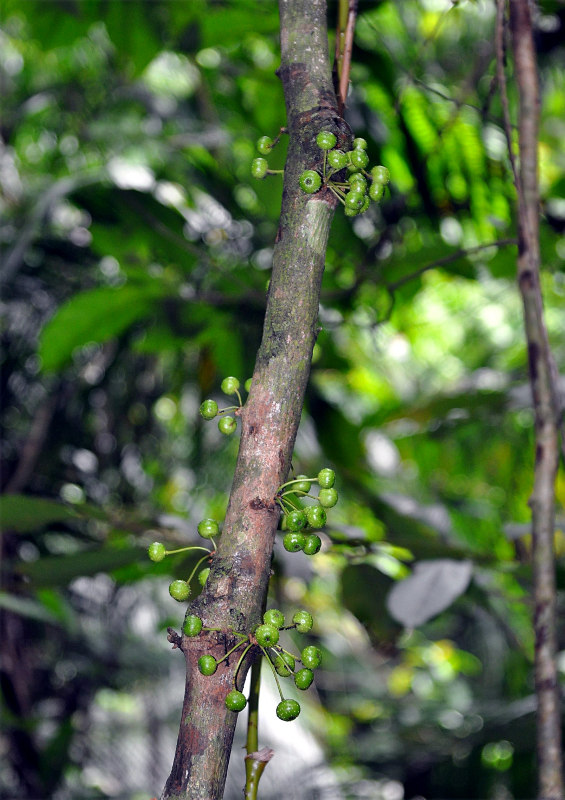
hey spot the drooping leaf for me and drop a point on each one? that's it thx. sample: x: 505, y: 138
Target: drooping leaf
x: 97, y: 315
x: 60, y: 570
x: 432, y: 587
x: 26, y: 607
x: 23, y: 513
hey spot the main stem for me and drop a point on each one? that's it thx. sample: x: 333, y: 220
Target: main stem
x: 239, y: 575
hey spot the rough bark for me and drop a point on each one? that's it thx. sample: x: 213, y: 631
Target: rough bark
x: 240, y: 571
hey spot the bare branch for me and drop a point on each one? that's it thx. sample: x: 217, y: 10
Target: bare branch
x: 544, y: 393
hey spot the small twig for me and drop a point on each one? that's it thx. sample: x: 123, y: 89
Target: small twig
x: 344, y: 60
x: 31, y: 449
x: 174, y: 638
x: 441, y: 262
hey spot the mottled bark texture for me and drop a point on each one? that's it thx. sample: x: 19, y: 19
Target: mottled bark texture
x: 237, y: 584
x: 546, y: 409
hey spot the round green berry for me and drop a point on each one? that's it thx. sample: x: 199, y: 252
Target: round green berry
x: 303, y: 485
x: 351, y: 212
x: 156, y: 551
x: 366, y: 204
x: 303, y: 678
x: 229, y: 385
x: 359, y: 158
x: 311, y: 657
x: 293, y: 542
x: 358, y: 182
x: 284, y: 664
x: 203, y: 576
x: 380, y: 174
x: 303, y: 621
x: 267, y: 635
x: 326, y: 140
x: 359, y: 143
x: 326, y: 478
x: 236, y: 701
x: 312, y: 544
x: 179, y: 590
x: 207, y: 664
x: 295, y: 520
x: 337, y: 159
x: 310, y: 181
x: 192, y: 625
x: 316, y: 516
x: 274, y: 617
x: 265, y: 145
x: 227, y: 425
x: 327, y: 498
x: 376, y: 191
x: 354, y: 199
x: 259, y: 167
x: 209, y: 409
x: 288, y: 710
x: 208, y: 528
x: 247, y: 384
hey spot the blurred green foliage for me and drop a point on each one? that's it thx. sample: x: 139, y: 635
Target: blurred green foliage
x: 136, y: 254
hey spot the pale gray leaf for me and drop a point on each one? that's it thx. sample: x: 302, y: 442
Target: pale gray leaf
x: 431, y: 588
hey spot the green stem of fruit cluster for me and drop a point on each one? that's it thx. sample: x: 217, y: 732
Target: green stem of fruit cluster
x: 185, y: 549
x: 295, y: 491
x: 297, y: 480
x: 273, y: 670
x: 238, y: 665
x: 235, y: 647
x: 204, y: 558
x: 282, y: 649
x: 230, y: 408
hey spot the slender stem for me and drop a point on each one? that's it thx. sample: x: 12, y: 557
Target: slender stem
x: 255, y: 762
x: 238, y: 665
x: 228, y: 408
x: 296, y: 480
x: 252, y: 743
x: 273, y: 670
x: 545, y: 401
x: 184, y: 550
x: 228, y: 654
x: 294, y: 491
x: 196, y: 567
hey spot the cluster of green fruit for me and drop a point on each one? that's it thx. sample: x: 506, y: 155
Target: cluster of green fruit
x: 281, y: 661
x: 299, y: 521
x: 361, y: 185
x: 180, y: 589
x: 260, y: 166
x: 209, y: 408
x: 355, y: 191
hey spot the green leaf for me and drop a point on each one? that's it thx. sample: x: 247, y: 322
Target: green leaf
x: 26, y: 607
x: 97, y: 315
x: 23, y: 513
x: 60, y: 570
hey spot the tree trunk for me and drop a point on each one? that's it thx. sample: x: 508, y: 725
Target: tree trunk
x: 237, y: 584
